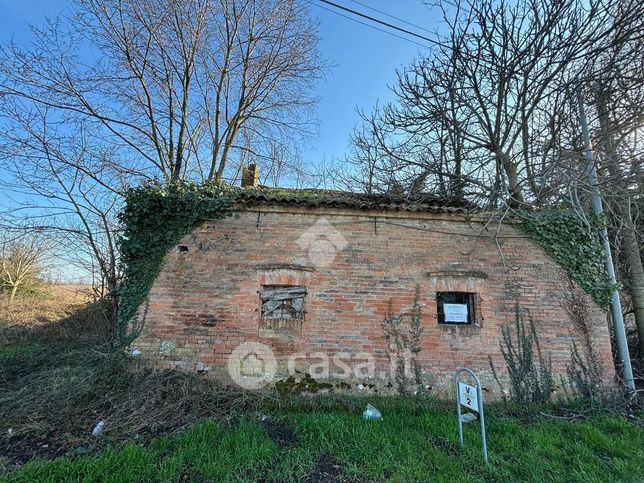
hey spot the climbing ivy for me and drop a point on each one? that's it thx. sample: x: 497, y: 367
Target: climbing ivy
x: 155, y: 217
x: 574, y: 245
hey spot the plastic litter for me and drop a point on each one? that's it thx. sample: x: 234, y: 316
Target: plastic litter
x: 468, y: 417
x: 98, y: 428
x: 371, y: 413
x: 136, y: 352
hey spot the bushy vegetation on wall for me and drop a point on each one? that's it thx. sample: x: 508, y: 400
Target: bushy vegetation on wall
x: 574, y: 245
x: 154, y: 219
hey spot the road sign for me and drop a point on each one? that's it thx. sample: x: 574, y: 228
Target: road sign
x: 470, y: 397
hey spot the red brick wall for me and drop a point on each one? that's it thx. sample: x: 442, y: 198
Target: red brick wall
x: 206, y: 302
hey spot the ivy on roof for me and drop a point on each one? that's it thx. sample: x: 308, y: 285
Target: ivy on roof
x: 157, y: 215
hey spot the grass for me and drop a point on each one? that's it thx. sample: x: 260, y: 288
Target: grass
x: 57, y: 379
x: 53, y: 303
x: 415, y: 441
x: 52, y: 396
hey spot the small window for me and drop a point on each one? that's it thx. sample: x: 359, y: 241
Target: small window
x: 282, y: 302
x: 456, y: 307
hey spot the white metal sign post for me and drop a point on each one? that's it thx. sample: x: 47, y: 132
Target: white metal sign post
x: 472, y: 398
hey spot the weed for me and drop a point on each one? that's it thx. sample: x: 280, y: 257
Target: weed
x: 403, y: 344
x: 529, y: 372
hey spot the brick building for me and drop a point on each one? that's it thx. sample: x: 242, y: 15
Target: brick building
x: 311, y: 277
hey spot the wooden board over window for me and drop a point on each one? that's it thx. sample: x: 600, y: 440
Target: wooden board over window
x: 282, y: 302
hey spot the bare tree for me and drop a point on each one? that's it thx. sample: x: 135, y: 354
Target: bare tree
x: 21, y: 259
x: 119, y: 91
x: 175, y: 84
x: 70, y: 187
x: 617, y: 90
x: 476, y: 116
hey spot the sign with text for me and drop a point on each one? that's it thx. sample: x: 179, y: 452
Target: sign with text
x: 469, y: 398
x: 455, y: 312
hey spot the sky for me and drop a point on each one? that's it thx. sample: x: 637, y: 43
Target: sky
x: 364, y: 59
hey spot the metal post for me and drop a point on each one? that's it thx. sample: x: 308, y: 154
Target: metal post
x: 479, y: 397
x: 482, y: 416
x: 458, y: 408
x: 615, y: 303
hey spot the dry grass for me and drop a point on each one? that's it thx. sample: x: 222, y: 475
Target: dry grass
x: 51, y: 397
x: 53, y: 303
x: 58, y: 312
x: 59, y: 376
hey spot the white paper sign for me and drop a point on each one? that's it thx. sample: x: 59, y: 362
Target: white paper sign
x: 468, y: 395
x: 455, y: 312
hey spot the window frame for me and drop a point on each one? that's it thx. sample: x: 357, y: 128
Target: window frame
x: 276, y: 287
x: 457, y: 297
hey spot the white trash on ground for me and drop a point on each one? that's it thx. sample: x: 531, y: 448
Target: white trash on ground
x: 468, y: 417
x: 371, y: 413
x: 98, y: 428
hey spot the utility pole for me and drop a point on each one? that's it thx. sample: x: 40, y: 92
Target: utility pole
x: 615, y: 303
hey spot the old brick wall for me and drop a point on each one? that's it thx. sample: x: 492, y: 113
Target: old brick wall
x: 206, y: 300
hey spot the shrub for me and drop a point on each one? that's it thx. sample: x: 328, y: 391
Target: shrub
x: 530, y: 374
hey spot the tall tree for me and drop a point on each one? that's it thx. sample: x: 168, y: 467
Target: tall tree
x: 617, y: 90
x: 21, y: 260
x: 174, y: 84
x: 117, y: 91
x: 470, y: 114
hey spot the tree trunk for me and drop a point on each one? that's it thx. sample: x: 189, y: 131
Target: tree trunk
x: 514, y: 189
x: 14, y: 289
x: 621, y: 206
x: 636, y: 281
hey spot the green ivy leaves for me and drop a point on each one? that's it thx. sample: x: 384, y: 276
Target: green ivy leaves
x: 155, y: 217
x: 572, y: 244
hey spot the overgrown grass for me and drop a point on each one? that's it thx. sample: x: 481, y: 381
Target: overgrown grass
x: 58, y: 378
x: 168, y: 426
x: 52, y: 396
x: 415, y: 441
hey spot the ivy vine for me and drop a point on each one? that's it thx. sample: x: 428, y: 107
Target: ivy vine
x: 155, y: 217
x: 574, y: 245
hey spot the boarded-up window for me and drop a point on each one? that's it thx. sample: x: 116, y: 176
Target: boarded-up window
x: 282, y: 302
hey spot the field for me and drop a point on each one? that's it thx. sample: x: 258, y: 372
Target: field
x: 59, y: 377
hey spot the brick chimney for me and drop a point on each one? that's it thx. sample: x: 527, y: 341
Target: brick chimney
x: 250, y: 176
